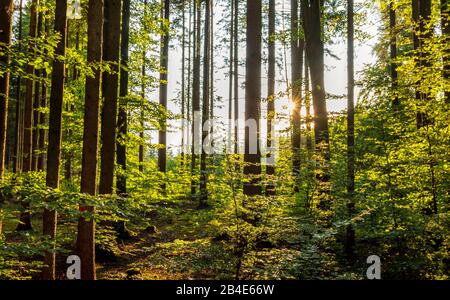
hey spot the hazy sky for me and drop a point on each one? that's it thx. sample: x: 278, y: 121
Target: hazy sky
x: 335, y: 75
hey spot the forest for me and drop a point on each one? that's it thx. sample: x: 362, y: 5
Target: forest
x: 224, y: 139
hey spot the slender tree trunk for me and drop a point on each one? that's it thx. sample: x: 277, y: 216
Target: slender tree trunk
x: 252, y: 156
x: 55, y: 134
x: 393, y: 51
x: 270, y: 190
x: 142, y: 124
x: 86, y: 227
x: 230, y: 82
x: 350, y: 236
x: 42, y: 115
x: 445, y: 24
x: 17, y: 127
x: 164, y: 65
x: 205, y: 106
x: 121, y: 184
x: 123, y: 92
x: 236, y: 75
x: 6, y: 13
x: 111, y: 48
x: 211, y: 77
x: 36, y: 105
x: 183, y: 82
x: 196, y: 96
x: 25, y: 217
x: 188, y: 104
x: 297, y: 46
x: 309, y: 146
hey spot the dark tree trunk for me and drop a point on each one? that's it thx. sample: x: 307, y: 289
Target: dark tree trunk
x: 25, y: 218
x: 196, y: 96
x: 17, y: 126
x: 54, y: 134
x: 164, y: 64
x: 230, y: 82
x: 270, y: 189
x: 312, y: 10
x: 252, y: 156
x: 236, y: 75
x: 6, y: 13
x: 205, y: 106
x: 350, y: 234
x: 121, y: 184
x: 297, y: 47
x: 393, y: 52
x: 86, y: 227
x: 110, y: 81
x: 445, y: 24
x: 123, y: 92
x: 43, y: 116
x: 309, y: 143
x: 36, y: 105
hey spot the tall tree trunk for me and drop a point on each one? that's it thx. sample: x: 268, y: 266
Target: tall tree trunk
x: 121, y: 184
x: 196, y: 96
x: 230, y: 82
x: 297, y: 47
x: 142, y: 123
x: 445, y: 24
x: 43, y: 115
x: 312, y: 10
x: 188, y: 104
x: 236, y: 75
x: 211, y: 77
x: 252, y: 156
x: 393, y: 51
x: 270, y: 189
x: 86, y: 227
x: 421, y: 12
x: 164, y: 65
x: 17, y: 127
x: 6, y: 13
x: 183, y: 82
x: 309, y: 146
x: 350, y: 235
x: 110, y: 81
x: 54, y: 134
x: 123, y: 92
x: 205, y: 106
x: 25, y: 217
x: 37, y: 104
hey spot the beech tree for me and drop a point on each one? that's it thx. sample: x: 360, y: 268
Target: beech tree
x: 55, y: 133
x: 86, y: 226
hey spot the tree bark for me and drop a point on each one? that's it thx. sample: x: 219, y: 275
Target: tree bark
x: 164, y: 65
x: 205, y: 106
x: 297, y: 47
x: 270, y: 189
x: 393, y: 51
x: 445, y: 24
x: 86, y: 226
x: 236, y: 75
x: 350, y: 234
x: 196, y: 95
x: 18, y: 122
x: 54, y: 134
x: 123, y: 92
x: 6, y: 13
x: 110, y: 81
x: 252, y: 156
